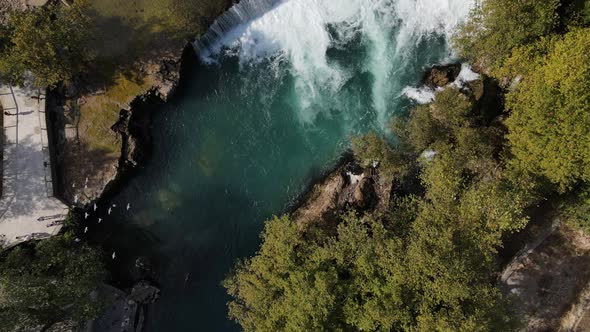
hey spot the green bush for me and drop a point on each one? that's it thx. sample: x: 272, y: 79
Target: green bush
x: 373, y: 149
x: 575, y: 208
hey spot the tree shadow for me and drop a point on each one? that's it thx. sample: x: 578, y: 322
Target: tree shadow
x: 133, y: 46
x: 75, y: 160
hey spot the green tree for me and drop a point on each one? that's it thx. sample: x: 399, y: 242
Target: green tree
x: 49, y: 282
x: 549, y: 122
x: 48, y: 42
x: 282, y: 287
x: 496, y: 27
x: 365, y: 277
x: 575, y: 208
x: 370, y: 149
x: 453, y: 245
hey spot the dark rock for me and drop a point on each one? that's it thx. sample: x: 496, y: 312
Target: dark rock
x: 121, y: 315
x: 144, y: 292
x: 488, y: 96
x: 120, y: 127
x: 143, y: 264
x: 365, y: 196
x: 441, y: 75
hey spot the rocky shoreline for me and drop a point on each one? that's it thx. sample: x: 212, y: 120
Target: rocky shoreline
x: 97, y: 183
x: 80, y: 185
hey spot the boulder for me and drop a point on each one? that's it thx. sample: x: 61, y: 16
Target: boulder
x: 144, y: 292
x: 441, y: 75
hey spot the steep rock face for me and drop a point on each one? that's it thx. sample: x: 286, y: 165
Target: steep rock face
x: 364, y: 196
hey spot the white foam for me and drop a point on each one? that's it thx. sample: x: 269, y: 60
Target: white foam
x: 425, y: 94
x: 422, y: 95
x: 466, y: 75
x: 298, y: 31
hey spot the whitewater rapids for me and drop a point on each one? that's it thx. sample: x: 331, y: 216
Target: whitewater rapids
x: 302, y: 32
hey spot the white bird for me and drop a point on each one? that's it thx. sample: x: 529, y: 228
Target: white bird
x: 76, y: 240
x: 114, y: 255
x: 75, y: 199
x: 85, y: 230
x: 109, y: 211
x: 114, y: 205
x: 86, y: 215
x: 99, y: 220
x: 86, y: 180
x: 74, y: 185
x: 95, y: 206
x: 85, y: 186
x: 128, y: 206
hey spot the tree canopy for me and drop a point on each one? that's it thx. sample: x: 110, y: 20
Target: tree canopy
x: 429, y: 261
x: 549, y: 121
x: 497, y: 26
x: 48, y: 42
x: 48, y: 282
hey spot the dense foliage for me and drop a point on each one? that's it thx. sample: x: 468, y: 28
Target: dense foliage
x: 47, y: 282
x: 47, y: 42
x: 427, y: 262
x: 498, y: 26
x: 550, y: 113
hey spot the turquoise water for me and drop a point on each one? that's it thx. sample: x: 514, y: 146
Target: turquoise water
x: 248, y: 133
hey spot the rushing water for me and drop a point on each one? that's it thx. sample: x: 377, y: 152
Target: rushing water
x: 278, y: 89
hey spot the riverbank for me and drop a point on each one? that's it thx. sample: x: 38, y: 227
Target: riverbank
x: 137, y: 50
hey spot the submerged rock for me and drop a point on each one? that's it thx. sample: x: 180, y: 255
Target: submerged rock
x: 144, y: 292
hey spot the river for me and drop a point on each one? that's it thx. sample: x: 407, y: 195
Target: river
x: 269, y: 104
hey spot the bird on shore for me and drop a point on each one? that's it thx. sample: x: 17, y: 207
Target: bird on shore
x: 114, y: 255
x: 86, y: 215
x: 74, y: 185
x: 95, y: 207
x: 86, y: 181
x: 99, y: 220
x: 128, y: 206
x: 109, y: 211
x: 85, y: 230
x: 75, y: 199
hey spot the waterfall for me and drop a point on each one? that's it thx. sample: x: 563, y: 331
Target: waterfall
x: 301, y: 32
x: 241, y: 13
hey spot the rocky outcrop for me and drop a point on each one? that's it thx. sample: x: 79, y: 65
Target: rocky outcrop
x: 441, y: 75
x: 364, y: 196
x: 348, y: 187
x: 144, y: 292
x: 126, y: 312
